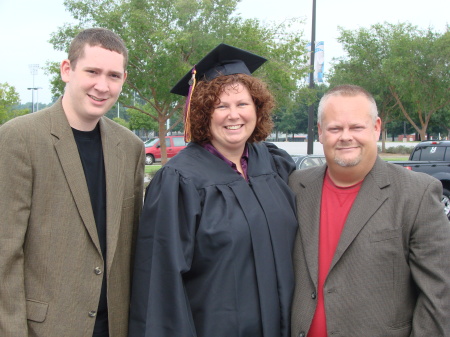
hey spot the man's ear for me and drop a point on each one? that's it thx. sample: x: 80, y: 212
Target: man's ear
x: 377, y: 128
x: 65, y: 70
x: 319, y: 132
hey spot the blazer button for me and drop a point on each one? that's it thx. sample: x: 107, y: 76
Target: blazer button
x: 313, y: 295
x: 301, y: 334
x: 97, y: 270
x: 92, y: 313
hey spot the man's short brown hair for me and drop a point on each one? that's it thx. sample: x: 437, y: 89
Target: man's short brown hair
x: 96, y: 37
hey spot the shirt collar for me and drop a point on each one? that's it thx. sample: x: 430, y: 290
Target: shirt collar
x: 244, y: 158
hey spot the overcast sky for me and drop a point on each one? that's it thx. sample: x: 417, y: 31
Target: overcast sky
x: 26, y: 25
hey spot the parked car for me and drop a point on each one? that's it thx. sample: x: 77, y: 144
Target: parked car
x: 149, y: 141
x: 174, y: 144
x: 433, y: 158
x: 303, y: 161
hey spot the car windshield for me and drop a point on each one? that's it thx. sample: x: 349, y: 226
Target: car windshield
x: 151, y: 142
x: 296, y: 158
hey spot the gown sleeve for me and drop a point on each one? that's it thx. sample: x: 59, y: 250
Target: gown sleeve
x: 164, y: 250
x: 284, y: 164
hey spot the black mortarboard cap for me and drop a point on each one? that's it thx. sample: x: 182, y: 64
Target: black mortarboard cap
x: 222, y: 60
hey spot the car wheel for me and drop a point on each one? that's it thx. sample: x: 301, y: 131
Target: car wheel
x: 446, y: 202
x: 149, y: 159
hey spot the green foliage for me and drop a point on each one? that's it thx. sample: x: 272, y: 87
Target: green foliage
x: 399, y: 149
x: 9, y: 99
x: 28, y: 106
x: 118, y: 110
x: 57, y: 84
x: 122, y: 122
x: 165, y: 38
x: 404, y: 67
x: 142, y: 121
x: 442, y: 122
x: 399, y: 127
x: 293, y: 118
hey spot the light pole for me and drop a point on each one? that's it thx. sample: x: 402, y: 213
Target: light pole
x: 32, y: 98
x: 37, y: 98
x: 310, y: 149
x: 34, y: 71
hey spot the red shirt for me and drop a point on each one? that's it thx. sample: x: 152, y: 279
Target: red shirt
x: 335, y: 207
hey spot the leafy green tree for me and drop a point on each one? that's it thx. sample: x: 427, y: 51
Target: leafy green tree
x: 121, y: 121
x: 354, y: 71
x: 29, y: 105
x: 405, y: 68
x: 287, y: 124
x: 57, y: 84
x: 398, y: 127
x: 363, y: 66
x: 142, y: 121
x: 295, y: 118
x: 118, y: 110
x: 9, y: 99
x: 425, y: 83
x: 165, y: 38
x: 442, y: 120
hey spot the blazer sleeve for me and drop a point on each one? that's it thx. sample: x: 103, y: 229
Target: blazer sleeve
x: 138, y: 195
x: 164, y: 251
x: 430, y: 264
x: 15, y: 203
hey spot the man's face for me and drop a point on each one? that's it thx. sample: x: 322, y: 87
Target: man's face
x: 93, y: 86
x: 348, y: 133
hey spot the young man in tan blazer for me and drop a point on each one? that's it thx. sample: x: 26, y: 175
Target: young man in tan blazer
x: 372, y: 252
x: 71, y: 184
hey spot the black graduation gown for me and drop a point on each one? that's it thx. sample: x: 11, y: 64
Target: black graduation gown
x: 213, y: 252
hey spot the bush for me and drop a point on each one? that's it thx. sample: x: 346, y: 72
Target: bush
x: 399, y: 149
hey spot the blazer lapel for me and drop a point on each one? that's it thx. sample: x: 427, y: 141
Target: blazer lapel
x: 368, y: 201
x: 114, y: 168
x: 311, y: 182
x: 67, y: 151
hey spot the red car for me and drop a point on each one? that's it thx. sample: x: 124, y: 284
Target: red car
x: 174, y: 144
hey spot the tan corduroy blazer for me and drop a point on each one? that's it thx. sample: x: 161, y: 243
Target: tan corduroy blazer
x: 390, y: 275
x: 51, y: 267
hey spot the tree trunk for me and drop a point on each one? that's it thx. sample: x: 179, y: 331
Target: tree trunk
x: 383, y: 137
x: 162, y: 140
x: 422, y: 134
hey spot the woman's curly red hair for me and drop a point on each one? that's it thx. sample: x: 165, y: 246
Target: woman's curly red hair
x: 206, y: 96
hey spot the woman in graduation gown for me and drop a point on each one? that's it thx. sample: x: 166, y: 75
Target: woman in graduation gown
x: 213, y: 256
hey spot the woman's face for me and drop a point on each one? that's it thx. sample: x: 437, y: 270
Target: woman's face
x: 233, y: 119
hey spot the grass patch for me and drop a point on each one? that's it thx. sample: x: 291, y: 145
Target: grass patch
x: 394, y: 157
x: 395, y: 153
x: 151, y: 169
